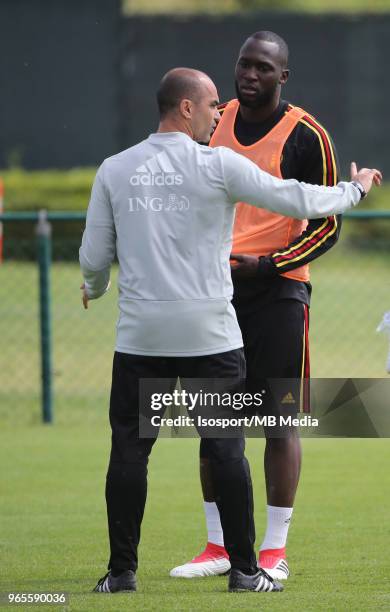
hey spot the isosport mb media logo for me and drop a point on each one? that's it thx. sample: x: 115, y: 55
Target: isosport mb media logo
x: 158, y: 171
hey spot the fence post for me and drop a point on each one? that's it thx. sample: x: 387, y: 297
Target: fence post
x: 43, y: 231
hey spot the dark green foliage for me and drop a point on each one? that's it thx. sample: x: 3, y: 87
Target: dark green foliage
x: 53, y: 190
x: 69, y: 190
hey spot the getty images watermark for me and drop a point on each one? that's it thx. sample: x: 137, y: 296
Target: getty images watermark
x: 200, y: 400
x: 190, y: 400
x: 338, y: 407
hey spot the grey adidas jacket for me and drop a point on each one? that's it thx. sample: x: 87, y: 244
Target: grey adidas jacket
x: 166, y: 206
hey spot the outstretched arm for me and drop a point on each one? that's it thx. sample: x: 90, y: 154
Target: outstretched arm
x: 245, y: 182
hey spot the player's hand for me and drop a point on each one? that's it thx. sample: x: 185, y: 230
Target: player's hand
x: 244, y: 266
x: 85, y: 297
x: 366, y: 176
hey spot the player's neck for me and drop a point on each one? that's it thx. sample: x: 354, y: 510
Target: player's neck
x: 172, y: 124
x: 261, y: 113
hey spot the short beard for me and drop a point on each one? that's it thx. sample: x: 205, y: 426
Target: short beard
x: 261, y: 99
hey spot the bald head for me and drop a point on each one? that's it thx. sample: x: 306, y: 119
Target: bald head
x: 179, y: 84
x: 188, y: 102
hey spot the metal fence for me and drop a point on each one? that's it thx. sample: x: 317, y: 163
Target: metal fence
x: 56, y: 357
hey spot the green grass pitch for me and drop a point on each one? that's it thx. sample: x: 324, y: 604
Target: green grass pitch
x: 53, y: 529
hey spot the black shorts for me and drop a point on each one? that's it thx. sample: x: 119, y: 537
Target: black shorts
x: 126, y: 402
x: 276, y: 348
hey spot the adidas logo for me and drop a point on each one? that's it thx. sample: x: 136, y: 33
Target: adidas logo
x: 288, y: 398
x: 158, y: 170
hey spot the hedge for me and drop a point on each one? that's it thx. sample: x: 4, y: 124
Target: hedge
x: 69, y: 190
x: 50, y: 189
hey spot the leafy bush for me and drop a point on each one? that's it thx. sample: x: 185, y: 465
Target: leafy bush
x: 53, y: 190
x: 49, y: 189
x: 69, y: 190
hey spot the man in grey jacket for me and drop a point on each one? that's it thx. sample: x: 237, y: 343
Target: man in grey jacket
x: 166, y: 206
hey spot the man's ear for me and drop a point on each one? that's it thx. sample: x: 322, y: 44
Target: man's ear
x: 284, y: 76
x: 186, y: 108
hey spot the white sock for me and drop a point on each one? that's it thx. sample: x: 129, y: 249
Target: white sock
x: 213, y: 522
x: 278, y: 522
